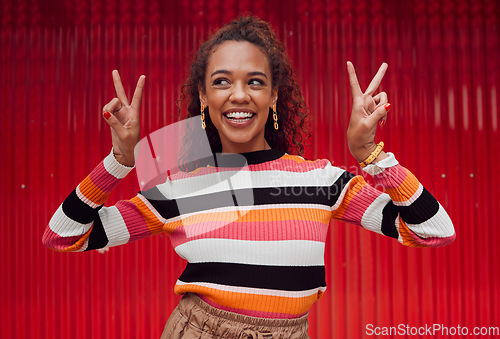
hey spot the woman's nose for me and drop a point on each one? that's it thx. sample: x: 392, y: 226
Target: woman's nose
x: 239, y: 93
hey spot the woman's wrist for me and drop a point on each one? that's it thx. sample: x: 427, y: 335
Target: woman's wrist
x: 380, y: 157
x: 124, y: 161
x: 361, y: 153
x: 366, y: 152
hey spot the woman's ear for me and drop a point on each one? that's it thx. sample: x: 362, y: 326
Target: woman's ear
x: 274, y: 96
x: 203, y: 96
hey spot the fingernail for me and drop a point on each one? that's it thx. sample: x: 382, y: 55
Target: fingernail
x: 107, y: 115
x: 387, y: 107
x: 382, y: 123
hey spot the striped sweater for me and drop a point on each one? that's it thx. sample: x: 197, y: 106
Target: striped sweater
x: 252, y: 227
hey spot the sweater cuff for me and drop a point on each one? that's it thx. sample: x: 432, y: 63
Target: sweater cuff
x: 379, y: 166
x: 114, y: 168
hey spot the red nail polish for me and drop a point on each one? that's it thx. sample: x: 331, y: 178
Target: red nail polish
x: 387, y: 107
x: 107, y: 115
x: 382, y: 123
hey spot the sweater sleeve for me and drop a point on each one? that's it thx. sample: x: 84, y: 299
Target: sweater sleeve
x: 81, y: 223
x: 406, y: 211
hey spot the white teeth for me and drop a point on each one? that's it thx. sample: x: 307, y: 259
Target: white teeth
x: 239, y: 115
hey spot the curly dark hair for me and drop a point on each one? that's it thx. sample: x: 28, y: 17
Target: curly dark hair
x: 291, y: 108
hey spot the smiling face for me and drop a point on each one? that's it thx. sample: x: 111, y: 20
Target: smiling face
x: 238, y: 94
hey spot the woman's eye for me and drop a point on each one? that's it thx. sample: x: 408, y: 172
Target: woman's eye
x: 256, y: 82
x: 220, y: 81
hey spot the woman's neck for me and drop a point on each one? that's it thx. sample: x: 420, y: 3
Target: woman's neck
x: 245, y: 148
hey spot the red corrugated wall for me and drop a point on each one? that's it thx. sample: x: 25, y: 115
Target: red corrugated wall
x: 443, y: 83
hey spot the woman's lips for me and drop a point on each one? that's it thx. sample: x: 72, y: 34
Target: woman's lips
x: 238, y: 121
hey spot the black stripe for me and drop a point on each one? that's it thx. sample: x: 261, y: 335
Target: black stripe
x: 245, y: 197
x: 421, y: 210
x: 245, y: 159
x: 167, y: 208
x: 389, y: 215
x: 324, y: 195
x: 77, y: 210
x: 287, y: 278
x: 97, y: 238
x: 338, y: 186
x: 153, y: 194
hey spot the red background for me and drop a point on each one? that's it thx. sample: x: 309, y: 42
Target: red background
x: 443, y: 84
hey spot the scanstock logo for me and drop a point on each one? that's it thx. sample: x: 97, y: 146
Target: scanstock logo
x: 214, y: 182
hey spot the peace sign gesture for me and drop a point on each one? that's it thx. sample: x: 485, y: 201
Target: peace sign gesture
x: 124, y: 120
x: 367, y: 111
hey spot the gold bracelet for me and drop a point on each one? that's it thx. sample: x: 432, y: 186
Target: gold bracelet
x: 373, y: 155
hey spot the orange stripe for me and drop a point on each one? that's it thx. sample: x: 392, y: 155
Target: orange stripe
x: 294, y: 158
x: 195, y: 171
x: 252, y: 302
x: 264, y: 215
x: 169, y: 227
x: 406, y: 190
x: 404, y: 231
x: 92, y: 192
x: 356, y: 184
x: 78, y: 245
x: 154, y: 225
x: 298, y: 159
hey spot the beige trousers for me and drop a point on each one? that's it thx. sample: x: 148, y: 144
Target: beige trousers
x: 194, y: 318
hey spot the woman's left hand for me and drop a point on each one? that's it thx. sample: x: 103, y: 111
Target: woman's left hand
x: 367, y: 110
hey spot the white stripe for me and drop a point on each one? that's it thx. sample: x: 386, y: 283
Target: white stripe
x: 65, y: 227
x: 114, y: 168
x: 400, y: 238
x: 342, y: 194
x: 275, y: 253
x: 440, y: 225
x: 258, y: 291
x: 372, y: 218
x: 84, y: 199
x: 152, y: 209
x: 114, y: 226
x: 224, y: 181
x: 414, y: 197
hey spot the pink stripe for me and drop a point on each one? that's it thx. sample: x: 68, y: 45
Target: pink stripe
x: 279, y: 164
x: 256, y: 231
x: 257, y: 314
x: 136, y: 225
x: 290, y: 165
x: 54, y: 241
x: 102, y: 179
x: 432, y: 241
x: 359, y: 204
x: 392, y: 177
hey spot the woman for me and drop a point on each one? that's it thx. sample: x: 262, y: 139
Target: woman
x: 254, y: 241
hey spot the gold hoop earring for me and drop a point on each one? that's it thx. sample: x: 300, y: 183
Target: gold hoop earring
x: 275, y: 118
x: 203, y: 125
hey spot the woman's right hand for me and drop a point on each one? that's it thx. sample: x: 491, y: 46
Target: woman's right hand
x: 124, y: 120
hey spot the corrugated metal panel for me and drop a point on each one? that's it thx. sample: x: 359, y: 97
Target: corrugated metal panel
x: 444, y: 66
